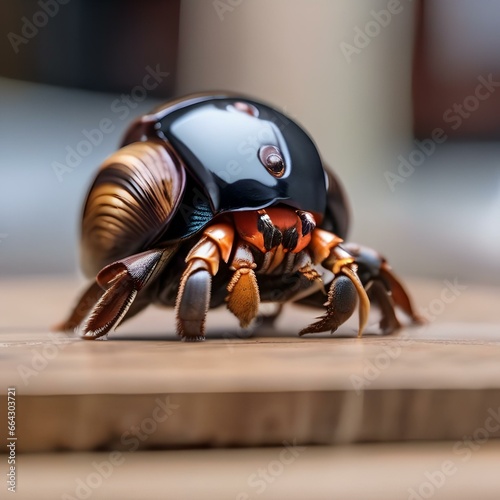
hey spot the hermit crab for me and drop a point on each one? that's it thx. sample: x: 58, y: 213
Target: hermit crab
x: 217, y: 198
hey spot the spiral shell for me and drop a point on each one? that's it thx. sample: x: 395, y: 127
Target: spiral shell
x: 134, y: 196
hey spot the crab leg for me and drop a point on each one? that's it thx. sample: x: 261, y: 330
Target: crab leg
x: 345, y: 287
x: 364, y: 302
x: 385, y: 288
x: 193, y: 300
x: 399, y: 294
x: 85, y: 303
x: 122, y: 280
x: 379, y: 295
x: 243, y: 298
x: 193, y: 296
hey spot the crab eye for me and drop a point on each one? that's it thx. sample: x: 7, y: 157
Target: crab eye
x: 271, y: 158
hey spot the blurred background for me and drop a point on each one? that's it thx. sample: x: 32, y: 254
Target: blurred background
x: 402, y: 98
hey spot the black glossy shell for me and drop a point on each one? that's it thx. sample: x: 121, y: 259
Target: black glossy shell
x: 195, y: 158
x: 218, y: 138
x: 220, y: 146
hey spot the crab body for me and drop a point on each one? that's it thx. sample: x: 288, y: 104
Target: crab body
x: 217, y: 199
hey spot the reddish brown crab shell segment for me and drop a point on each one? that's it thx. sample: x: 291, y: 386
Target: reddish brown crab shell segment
x: 246, y: 223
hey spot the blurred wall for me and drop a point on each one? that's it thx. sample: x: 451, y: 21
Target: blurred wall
x: 351, y: 91
x: 102, y: 45
x: 457, y: 69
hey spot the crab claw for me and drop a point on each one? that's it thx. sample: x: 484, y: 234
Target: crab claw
x: 122, y: 280
x: 342, y: 299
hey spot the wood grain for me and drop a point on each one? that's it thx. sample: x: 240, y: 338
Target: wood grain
x: 361, y: 472
x: 441, y: 381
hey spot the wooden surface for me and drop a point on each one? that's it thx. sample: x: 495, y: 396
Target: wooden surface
x: 435, y: 382
x: 361, y: 472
